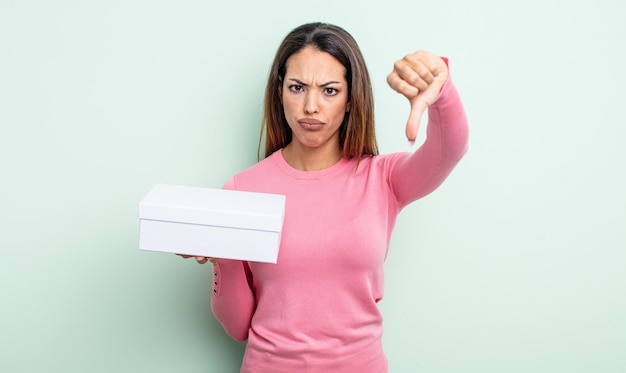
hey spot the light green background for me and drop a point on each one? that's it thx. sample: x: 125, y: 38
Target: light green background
x: 516, y: 264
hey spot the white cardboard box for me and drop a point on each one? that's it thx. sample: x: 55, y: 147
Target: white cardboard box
x: 209, y: 222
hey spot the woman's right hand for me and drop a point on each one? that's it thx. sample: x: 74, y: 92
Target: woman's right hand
x: 199, y: 259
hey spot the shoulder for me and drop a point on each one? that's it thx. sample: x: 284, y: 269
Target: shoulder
x: 384, y: 162
x: 266, y: 168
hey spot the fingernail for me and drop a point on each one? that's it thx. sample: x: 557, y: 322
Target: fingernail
x: 411, y: 143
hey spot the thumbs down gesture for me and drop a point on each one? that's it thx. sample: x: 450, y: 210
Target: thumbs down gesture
x: 419, y: 77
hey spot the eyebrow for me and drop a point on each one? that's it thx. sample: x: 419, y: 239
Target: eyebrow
x: 321, y: 85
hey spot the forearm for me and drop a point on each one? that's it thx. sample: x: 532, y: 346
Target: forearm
x: 232, y: 301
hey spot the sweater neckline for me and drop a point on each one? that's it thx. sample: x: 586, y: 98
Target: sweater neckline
x: 338, y: 167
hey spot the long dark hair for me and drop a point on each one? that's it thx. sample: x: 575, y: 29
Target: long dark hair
x: 356, y: 134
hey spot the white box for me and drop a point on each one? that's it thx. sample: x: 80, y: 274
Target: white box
x: 209, y: 222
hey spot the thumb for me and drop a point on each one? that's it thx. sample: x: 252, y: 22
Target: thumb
x: 418, y: 107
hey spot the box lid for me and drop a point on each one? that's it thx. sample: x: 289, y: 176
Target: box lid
x: 218, y: 207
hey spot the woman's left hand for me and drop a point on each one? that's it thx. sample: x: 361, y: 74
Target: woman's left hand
x: 419, y: 77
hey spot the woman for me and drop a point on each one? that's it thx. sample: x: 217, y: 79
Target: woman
x: 316, y: 309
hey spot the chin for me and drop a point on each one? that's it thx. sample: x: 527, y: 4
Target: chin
x: 310, y: 143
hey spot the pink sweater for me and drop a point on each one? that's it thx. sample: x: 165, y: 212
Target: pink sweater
x: 316, y: 310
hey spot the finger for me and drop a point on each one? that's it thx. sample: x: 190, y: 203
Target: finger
x: 184, y: 256
x: 418, y: 107
x: 415, y: 72
x: 401, y: 86
x: 201, y: 259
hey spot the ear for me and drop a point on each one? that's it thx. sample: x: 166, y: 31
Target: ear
x: 348, y: 107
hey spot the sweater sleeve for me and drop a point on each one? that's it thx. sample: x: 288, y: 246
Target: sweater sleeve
x: 233, y: 301
x: 414, y: 175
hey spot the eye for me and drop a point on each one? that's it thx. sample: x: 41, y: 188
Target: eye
x: 330, y: 91
x: 295, y: 88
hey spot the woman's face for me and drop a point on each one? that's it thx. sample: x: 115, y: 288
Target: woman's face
x: 314, y: 94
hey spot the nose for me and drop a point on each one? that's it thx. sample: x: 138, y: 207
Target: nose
x: 310, y: 103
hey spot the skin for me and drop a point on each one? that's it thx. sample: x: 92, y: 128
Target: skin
x: 309, y: 97
x: 419, y: 77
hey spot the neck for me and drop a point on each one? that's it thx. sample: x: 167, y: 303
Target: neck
x: 311, y: 159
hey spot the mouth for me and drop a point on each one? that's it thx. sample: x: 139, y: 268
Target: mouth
x: 311, y: 124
